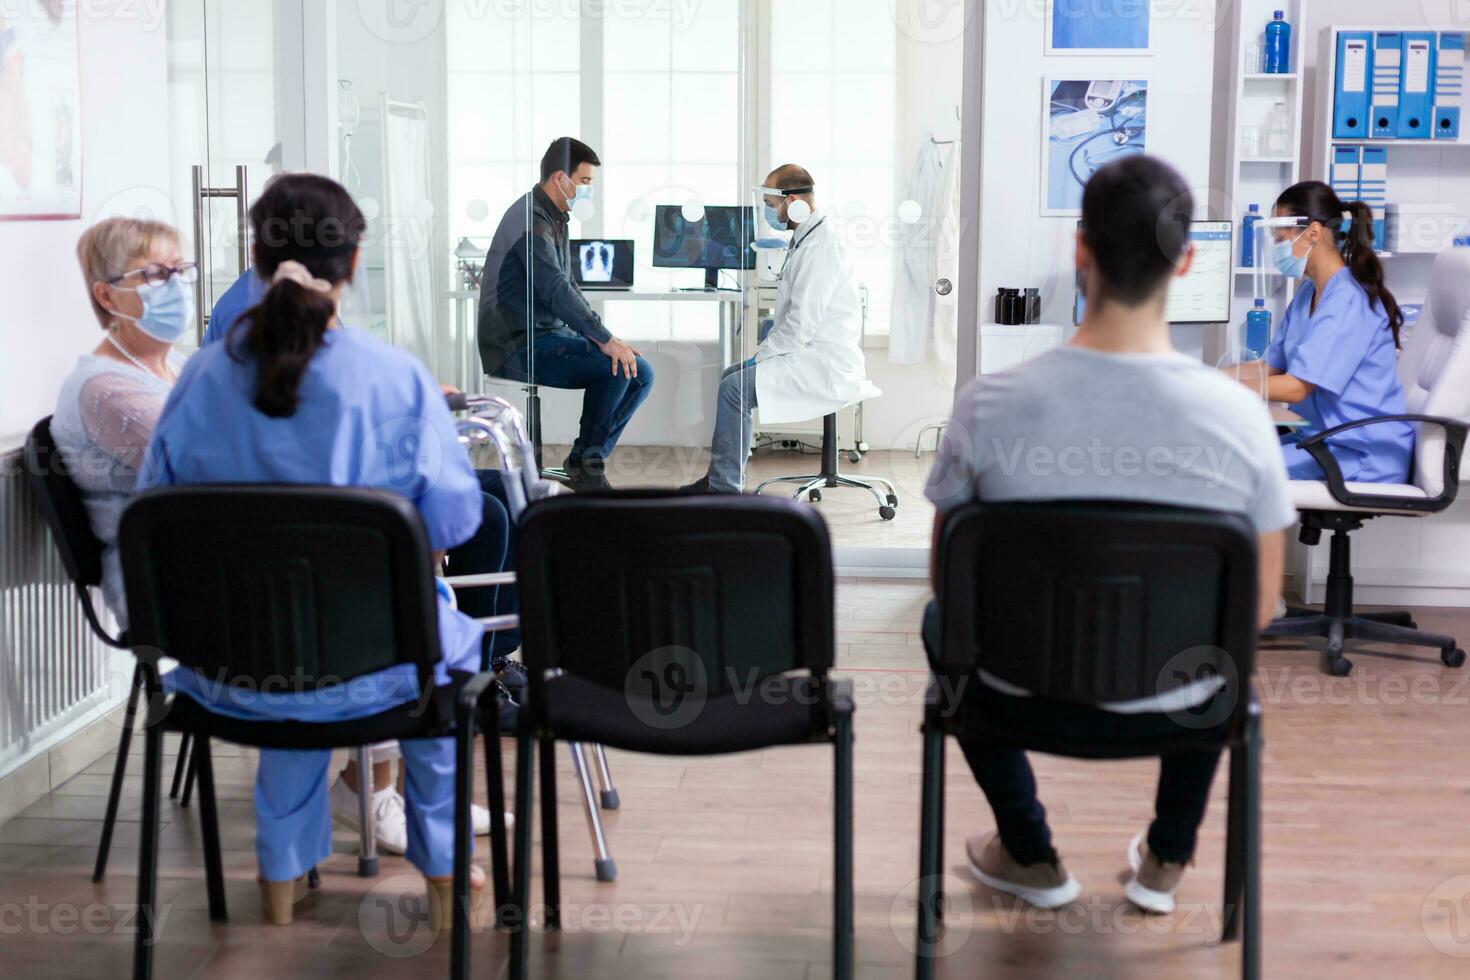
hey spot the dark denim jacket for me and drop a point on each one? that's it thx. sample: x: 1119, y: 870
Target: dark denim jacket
x: 533, y: 233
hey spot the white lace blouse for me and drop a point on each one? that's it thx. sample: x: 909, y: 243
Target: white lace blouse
x: 103, y: 423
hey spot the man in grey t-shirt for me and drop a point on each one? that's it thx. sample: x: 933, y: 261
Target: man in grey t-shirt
x: 1117, y: 415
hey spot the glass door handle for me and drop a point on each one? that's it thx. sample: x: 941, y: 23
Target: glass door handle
x: 241, y: 195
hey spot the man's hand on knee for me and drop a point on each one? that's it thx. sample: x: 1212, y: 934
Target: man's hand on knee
x: 624, y: 356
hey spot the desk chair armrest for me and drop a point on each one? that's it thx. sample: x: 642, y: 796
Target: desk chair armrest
x: 486, y: 581
x: 839, y: 695
x: 474, y: 689
x: 1455, y: 433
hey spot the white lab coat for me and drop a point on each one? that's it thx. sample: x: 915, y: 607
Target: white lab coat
x: 812, y: 364
x: 913, y: 288
x: 947, y: 266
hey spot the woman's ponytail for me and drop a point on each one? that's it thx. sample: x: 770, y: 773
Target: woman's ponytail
x: 1367, y: 267
x: 307, y: 230
x: 1318, y: 202
x: 287, y: 327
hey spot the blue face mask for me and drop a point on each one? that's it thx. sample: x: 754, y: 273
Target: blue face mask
x: 773, y: 218
x: 1289, y: 265
x: 582, y: 193
x: 168, y: 310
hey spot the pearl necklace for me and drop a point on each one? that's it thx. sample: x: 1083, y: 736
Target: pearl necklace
x: 137, y: 362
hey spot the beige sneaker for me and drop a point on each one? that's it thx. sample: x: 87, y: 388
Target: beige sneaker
x: 1044, y: 885
x: 1154, y: 882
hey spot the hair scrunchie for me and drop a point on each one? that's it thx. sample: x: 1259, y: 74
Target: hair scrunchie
x: 301, y: 275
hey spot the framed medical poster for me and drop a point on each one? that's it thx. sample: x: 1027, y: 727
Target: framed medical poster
x: 40, y: 111
x: 1103, y: 27
x: 1088, y: 123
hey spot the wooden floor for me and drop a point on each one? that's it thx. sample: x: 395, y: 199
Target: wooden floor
x: 725, y: 867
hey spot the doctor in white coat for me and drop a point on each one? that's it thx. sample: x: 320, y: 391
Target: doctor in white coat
x: 811, y: 363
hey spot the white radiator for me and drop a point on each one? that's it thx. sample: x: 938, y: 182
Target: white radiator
x: 53, y: 671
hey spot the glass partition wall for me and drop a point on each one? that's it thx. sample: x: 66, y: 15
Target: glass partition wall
x: 437, y: 116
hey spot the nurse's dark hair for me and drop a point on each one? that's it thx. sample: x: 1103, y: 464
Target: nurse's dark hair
x: 1319, y: 202
x: 311, y: 220
x: 1136, y: 213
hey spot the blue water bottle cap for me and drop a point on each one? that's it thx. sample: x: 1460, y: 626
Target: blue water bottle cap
x: 1254, y: 208
x: 1260, y: 303
x: 1280, y: 15
x: 1462, y: 241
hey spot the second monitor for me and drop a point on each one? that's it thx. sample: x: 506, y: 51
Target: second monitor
x: 719, y: 240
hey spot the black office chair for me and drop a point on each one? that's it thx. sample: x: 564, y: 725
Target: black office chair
x: 812, y: 484
x: 61, y: 505
x: 654, y: 647
x: 1089, y: 602
x: 306, y: 587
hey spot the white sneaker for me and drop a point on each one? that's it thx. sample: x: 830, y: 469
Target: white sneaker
x: 390, y: 824
x: 481, y: 819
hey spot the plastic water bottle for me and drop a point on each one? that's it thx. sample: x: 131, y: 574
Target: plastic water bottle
x: 1248, y: 237
x: 1257, y: 332
x: 1278, y: 45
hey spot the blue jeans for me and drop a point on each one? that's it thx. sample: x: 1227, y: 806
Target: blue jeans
x: 610, y: 400
x: 492, y: 549
x: 734, y: 404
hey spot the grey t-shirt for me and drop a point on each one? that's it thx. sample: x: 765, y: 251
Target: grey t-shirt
x: 1079, y: 424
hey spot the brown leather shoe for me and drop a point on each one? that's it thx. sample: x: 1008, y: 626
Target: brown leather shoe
x: 1044, y: 885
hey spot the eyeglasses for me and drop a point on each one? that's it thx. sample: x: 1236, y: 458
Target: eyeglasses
x: 157, y: 274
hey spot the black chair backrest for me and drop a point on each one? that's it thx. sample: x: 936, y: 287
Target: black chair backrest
x: 741, y: 584
x: 297, y: 587
x: 1094, y: 601
x: 61, y: 504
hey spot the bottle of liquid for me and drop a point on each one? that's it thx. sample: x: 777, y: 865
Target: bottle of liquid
x: 1278, y: 131
x: 1248, y: 237
x: 1278, y: 45
x: 1257, y: 332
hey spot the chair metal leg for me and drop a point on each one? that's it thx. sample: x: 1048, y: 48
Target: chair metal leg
x: 842, y: 928
x: 499, y: 848
x: 609, y: 794
x: 520, y: 925
x: 550, y: 840
x: 930, y: 897
x: 189, y: 774
x: 367, y: 855
x: 181, y: 764
x: 144, y: 939
x: 464, y: 760
x: 1251, y: 946
x: 214, y: 871
x: 119, y: 770
x: 606, y: 868
x: 1234, y: 844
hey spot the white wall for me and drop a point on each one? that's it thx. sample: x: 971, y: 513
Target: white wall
x: 47, y: 321
x: 1017, y: 246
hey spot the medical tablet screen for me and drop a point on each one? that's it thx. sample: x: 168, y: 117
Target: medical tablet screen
x: 1203, y: 296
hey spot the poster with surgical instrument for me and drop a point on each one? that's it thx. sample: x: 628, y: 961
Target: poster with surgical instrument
x: 1089, y: 123
x: 1099, y: 27
x: 40, y: 111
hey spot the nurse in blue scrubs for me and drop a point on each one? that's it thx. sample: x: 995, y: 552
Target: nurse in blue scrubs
x: 1334, y: 357
x: 289, y: 397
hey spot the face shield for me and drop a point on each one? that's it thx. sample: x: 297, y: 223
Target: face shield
x: 1276, y: 250
x: 770, y: 199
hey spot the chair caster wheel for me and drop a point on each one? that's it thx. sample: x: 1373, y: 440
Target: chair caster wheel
x: 1339, y: 667
x: 854, y: 456
x: 815, y: 496
x: 892, y: 500
x: 1453, y: 658
x: 863, y: 447
x: 887, y: 513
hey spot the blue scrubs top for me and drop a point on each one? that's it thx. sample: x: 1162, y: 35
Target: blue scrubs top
x: 370, y: 416
x: 1346, y: 350
x: 247, y: 291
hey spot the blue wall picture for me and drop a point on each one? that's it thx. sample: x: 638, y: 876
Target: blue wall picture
x: 1089, y: 123
x: 1098, y: 27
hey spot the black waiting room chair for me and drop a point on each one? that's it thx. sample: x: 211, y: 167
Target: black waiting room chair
x: 311, y: 586
x: 1089, y: 602
x: 704, y: 626
x: 61, y: 505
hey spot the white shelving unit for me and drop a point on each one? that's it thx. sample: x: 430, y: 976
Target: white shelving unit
x: 1430, y: 179
x: 1256, y: 179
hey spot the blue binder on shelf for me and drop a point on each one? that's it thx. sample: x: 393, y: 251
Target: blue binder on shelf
x: 1416, y: 87
x: 1449, y: 85
x: 1373, y: 187
x: 1346, y: 177
x: 1350, y: 92
x: 1388, y: 58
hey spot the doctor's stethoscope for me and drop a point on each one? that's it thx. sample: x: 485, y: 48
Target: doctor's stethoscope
x: 796, y: 243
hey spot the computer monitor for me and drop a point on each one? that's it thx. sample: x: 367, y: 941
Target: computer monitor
x: 719, y: 240
x: 602, y: 263
x: 1204, y: 295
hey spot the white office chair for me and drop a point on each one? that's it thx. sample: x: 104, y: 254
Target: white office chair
x: 1434, y: 369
